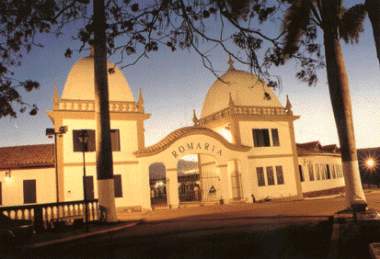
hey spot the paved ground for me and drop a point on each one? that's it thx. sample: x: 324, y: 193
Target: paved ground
x: 297, y: 229
x: 324, y: 206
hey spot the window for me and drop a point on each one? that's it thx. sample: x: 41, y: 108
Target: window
x: 1, y: 195
x: 275, y: 137
x: 118, y: 185
x: 89, y: 185
x: 260, y: 176
x: 91, y: 142
x: 279, y: 175
x: 317, y: 172
x: 311, y: 171
x: 333, y: 171
x: 328, y: 173
x: 78, y: 144
x: 302, y: 177
x: 270, y: 175
x: 29, y: 188
x: 323, y: 171
x: 115, y: 139
x: 261, y: 137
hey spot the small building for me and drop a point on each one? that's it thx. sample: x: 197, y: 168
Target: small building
x: 241, y: 146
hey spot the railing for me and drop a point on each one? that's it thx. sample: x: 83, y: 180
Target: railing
x: 42, y: 215
x: 245, y: 110
x: 84, y: 105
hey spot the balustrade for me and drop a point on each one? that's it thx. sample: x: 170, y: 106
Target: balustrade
x: 43, y: 214
x: 84, y: 105
x: 245, y: 110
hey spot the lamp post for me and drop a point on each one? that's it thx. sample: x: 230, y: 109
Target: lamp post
x: 51, y: 133
x: 83, y: 139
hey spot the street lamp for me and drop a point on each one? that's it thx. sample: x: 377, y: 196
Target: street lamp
x: 370, y: 163
x: 51, y: 133
x: 83, y: 139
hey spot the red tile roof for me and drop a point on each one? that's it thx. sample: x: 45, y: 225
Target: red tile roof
x: 30, y: 156
x: 316, y: 147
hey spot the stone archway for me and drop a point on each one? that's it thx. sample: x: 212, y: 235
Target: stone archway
x: 204, y: 143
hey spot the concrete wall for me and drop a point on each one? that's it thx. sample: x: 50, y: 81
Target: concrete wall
x: 12, y: 187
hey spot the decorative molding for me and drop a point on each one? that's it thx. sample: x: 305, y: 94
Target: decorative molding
x: 94, y: 163
x: 301, y: 154
x: 184, y: 132
x: 269, y: 156
x: 250, y: 113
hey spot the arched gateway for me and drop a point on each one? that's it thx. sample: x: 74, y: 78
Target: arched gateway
x: 219, y: 162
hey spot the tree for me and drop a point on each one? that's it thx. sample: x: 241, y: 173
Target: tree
x: 134, y: 31
x: 104, y: 160
x: 373, y: 9
x: 334, y: 22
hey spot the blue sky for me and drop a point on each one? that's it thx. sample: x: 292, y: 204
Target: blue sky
x: 175, y: 83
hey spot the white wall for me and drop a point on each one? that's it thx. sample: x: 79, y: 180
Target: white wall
x: 318, y: 185
x: 128, y: 140
x: 12, y: 187
x: 288, y: 189
x: 283, y: 132
x: 134, y: 183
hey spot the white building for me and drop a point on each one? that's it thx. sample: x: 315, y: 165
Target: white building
x: 241, y: 147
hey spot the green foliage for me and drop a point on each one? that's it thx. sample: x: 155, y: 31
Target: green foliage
x: 351, y: 23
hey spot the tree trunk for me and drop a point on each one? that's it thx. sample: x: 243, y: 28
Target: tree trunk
x: 104, y: 162
x: 341, y: 103
x: 373, y: 9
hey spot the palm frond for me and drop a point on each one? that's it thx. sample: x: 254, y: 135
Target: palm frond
x: 297, y: 18
x: 351, y: 23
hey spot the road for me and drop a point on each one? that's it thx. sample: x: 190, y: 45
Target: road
x: 297, y: 229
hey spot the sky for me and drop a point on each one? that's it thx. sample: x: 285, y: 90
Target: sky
x: 174, y: 84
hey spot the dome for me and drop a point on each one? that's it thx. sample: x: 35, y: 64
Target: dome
x: 246, y: 90
x: 80, y: 83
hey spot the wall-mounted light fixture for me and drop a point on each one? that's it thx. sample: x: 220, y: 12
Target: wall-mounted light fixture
x: 8, y: 173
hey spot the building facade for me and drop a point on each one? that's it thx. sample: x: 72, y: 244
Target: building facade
x: 241, y: 148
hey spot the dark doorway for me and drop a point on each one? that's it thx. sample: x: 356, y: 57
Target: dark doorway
x: 157, y: 182
x: 89, y: 187
x: 29, y: 187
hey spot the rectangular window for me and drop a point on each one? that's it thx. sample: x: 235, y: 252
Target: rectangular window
x: 333, y: 171
x: 29, y: 187
x: 89, y: 185
x: 115, y: 139
x: 279, y: 175
x: 261, y: 137
x: 302, y: 177
x: 84, y: 140
x: 328, y: 172
x: 311, y: 171
x: 317, y: 172
x: 118, y: 185
x: 322, y: 169
x: 275, y: 137
x: 270, y: 175
x: 260, y: 176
